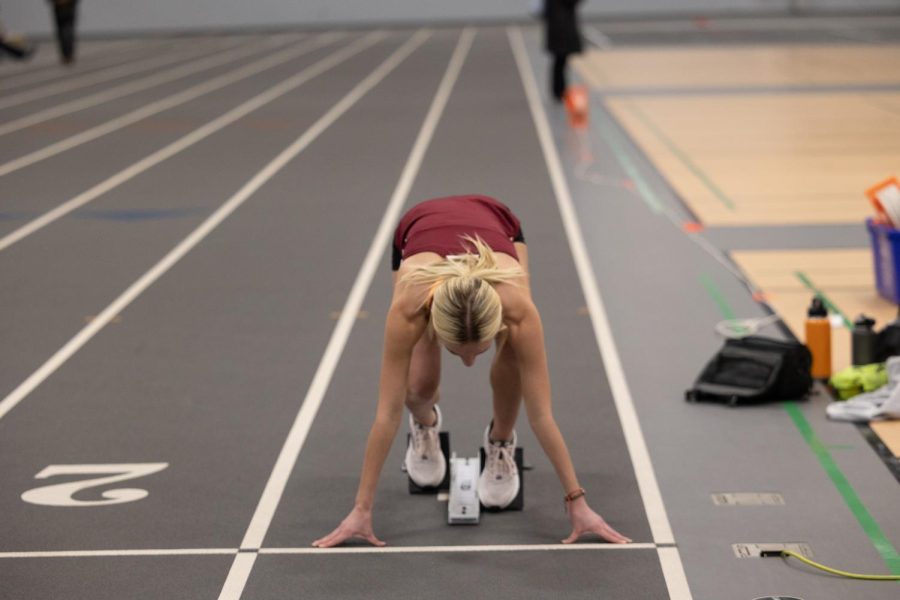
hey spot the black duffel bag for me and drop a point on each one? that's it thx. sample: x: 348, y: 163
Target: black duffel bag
x: 753, y: 370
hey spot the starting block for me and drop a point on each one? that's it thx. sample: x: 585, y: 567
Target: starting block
x: 415, y: 488
x: 461, y: 481
x: 519, y: 502
x: 463, y: 507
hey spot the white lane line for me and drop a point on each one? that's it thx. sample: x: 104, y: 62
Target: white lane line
x: 129, y: 68
x: 673, y: 572
x: 153, y: 62
x: 96, y: 62
x: 634, y: 437
x: 43, y: 58
x: 598, y: 38
x: 166, y: 103
x: 175, y: 147
x: 238, y: 575
x: 204, y: 229
x: 102, y: 553
x: 271, y: 496
x: 326, y: 551
x: 459, y: 549
x: 46, y: 59
x: 197, y: 65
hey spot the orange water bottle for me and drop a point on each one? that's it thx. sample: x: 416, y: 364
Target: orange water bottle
x: 818, y: 339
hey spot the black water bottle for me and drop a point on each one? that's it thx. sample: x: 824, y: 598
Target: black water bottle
x: 864, y: 337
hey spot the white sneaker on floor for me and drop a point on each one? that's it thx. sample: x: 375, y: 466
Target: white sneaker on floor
x: 425, y: 463
x: 892, y: 366
x: 883, y: 403
x: 498, y: 484
x: 891, y: 407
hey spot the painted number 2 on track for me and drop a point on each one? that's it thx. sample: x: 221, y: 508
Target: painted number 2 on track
x: 61, y: 494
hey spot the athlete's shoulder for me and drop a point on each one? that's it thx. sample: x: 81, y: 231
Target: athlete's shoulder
x: 409, y: 299
x: 516, y: 300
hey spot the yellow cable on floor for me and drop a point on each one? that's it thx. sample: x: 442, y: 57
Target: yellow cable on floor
x: 812, y: 563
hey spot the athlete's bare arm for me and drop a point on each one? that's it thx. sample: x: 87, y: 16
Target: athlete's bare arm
x: 526, y: 336
x: 404, y: 326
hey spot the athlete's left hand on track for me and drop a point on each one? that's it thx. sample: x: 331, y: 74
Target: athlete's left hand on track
x: 584, y: 521
x: 358, y: 524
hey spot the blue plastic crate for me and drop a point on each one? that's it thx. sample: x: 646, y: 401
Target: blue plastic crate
x: 886, y: 253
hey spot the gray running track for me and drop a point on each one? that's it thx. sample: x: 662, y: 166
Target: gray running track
x: 29, y: 192
x: 46, y: 96
x: 40, y: 135
x: 493, y: 153
x: 206, y: 370
x: 92, y: 56
x: 160, y: 215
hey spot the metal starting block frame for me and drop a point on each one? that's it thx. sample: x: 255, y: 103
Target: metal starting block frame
x: 463, y: 507
x: 459, y: 497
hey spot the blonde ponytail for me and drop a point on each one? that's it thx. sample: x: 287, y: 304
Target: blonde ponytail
x: 464, y: 305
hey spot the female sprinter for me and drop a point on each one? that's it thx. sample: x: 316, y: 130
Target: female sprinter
x: 461, y: 282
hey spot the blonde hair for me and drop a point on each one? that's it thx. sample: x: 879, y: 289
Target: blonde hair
x: 463, y: 303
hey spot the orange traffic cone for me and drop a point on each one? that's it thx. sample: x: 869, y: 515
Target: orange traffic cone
x: 577, y: 105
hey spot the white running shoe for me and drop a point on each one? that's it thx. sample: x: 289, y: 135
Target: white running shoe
x: 498, y: 484
x: 425, y: 463
x: 892, y: 366
x: 880, y: 403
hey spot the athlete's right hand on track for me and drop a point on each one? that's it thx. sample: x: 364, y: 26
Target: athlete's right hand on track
x: 358, y: 524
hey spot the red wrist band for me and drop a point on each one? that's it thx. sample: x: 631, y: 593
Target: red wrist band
x: 573, y: 495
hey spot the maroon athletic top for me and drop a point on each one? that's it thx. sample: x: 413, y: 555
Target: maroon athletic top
x: 437, y: 226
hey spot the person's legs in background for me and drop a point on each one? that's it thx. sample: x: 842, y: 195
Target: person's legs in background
x: 19, y: 48
x: 64, y: 12
x: 19, y: 52
x: 558, y: 77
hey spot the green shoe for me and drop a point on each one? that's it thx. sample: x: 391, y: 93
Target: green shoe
x: 873, y: 376
x: 846, y: 383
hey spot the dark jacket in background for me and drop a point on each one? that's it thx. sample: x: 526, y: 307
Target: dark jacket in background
x: 562, y: 36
